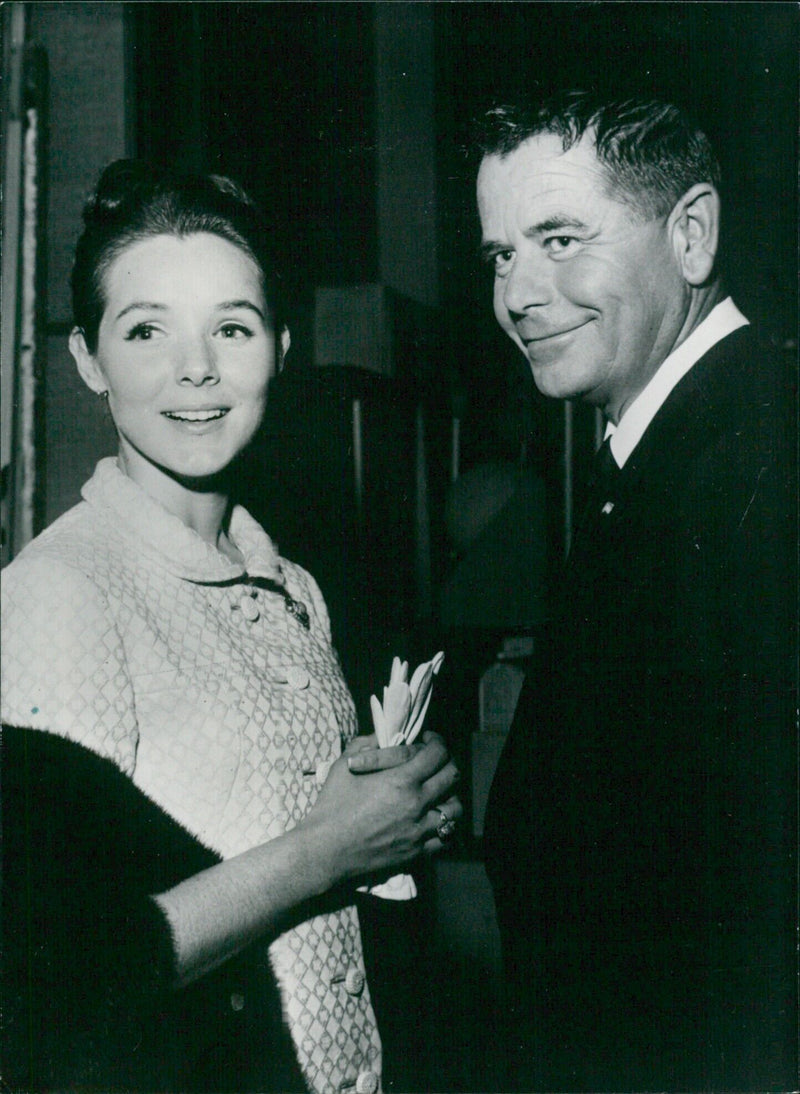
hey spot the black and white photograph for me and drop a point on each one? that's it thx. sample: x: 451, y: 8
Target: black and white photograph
x: 399, y: 547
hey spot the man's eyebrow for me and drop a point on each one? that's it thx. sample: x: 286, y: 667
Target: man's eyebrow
x: 554, y: 223
x: 489, y: 248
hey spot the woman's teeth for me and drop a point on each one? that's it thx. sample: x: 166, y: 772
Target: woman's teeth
x: 194, y: 415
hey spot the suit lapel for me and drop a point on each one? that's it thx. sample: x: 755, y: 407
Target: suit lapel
x: 655, y: 475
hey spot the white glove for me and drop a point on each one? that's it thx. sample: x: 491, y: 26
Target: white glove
x: 398, y: 722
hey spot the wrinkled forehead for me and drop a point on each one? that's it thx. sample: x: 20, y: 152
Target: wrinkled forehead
x: 541, y: 177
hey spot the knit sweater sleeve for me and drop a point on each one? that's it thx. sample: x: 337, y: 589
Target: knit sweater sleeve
x: 88, y: 961
x: 64, y: 667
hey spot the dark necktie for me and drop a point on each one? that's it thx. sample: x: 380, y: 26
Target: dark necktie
x: 606, y: 470
x: 600, y: 499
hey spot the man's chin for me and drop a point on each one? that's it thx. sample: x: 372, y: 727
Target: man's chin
x: 554, y: 383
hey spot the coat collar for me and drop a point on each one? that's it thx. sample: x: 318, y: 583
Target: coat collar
x: 166, y: 539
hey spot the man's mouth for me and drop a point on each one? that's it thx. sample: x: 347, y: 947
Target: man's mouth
x: 196, y: 415
x: 535, y: 340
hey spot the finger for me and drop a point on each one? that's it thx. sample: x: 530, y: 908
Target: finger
x: 452, y: 807
x: 435, y: 846
x: 440, y: 784
x: 361, y: 743
x: 442, y: 820
x: 367, y: 761
x: 449, y: 810
x: 431, y: 755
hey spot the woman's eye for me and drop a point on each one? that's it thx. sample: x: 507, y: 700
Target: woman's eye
x: 235, y: 330
x: 142, y: 332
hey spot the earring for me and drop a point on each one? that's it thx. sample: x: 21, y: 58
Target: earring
x: 102, y: 395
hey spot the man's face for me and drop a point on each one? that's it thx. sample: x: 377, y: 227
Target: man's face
x: 590, y: 292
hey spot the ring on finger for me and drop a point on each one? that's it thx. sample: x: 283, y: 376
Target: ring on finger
x: 446, y: 826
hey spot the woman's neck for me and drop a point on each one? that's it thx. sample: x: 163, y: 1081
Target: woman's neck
x: 202, y: 505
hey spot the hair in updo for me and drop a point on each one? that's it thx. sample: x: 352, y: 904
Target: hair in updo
x: 134, y: 201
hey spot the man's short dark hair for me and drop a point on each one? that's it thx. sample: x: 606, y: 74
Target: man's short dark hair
x: 652, y: 154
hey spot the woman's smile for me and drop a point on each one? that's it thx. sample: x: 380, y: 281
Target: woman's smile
x: 197, y: 421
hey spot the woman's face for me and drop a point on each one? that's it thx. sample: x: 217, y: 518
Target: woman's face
x: 186, y: 351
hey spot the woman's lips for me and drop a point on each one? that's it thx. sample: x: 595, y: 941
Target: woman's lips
x: 196, y: 416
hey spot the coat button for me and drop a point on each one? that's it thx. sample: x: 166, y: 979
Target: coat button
x: 354, y: 981
x: 237, y: 1000
x: 249, y: 608
x: 297, y: 677
x: 367, y: 1083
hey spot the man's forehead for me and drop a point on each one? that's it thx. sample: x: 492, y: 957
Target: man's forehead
x: 540, y: 173
x: 543, y: 157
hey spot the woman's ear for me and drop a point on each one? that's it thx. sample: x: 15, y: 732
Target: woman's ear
x: 89, y: 370
x: 694, y: 232
x: 285, y: 343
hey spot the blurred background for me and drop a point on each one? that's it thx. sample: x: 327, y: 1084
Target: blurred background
x: 406, y: 459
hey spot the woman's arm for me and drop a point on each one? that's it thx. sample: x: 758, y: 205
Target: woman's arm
x: 88, y: 960
x: 360, y: 825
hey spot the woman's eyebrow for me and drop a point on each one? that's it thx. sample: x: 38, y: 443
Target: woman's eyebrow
x: 145, y: 305
x: 233, y: 305
x: 225, y: 305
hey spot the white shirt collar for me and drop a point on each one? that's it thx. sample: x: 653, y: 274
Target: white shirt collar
x: 721, y: 321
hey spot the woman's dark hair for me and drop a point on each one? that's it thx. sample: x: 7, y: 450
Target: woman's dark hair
x: 134, y: 201
x: 652, y: 154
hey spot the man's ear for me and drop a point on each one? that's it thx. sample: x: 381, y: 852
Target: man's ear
x: 89, y: 370
x: 694, y: 231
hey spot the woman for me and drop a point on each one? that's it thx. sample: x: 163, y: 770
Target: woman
x: 182, y: 832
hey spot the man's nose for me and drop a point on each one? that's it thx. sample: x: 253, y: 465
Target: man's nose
x: 197, y: 363
x: 527, y: 285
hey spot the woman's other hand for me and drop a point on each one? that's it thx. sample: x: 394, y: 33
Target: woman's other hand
x: 379, y: 808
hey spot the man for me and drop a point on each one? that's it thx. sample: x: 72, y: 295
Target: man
x: 641, y: 829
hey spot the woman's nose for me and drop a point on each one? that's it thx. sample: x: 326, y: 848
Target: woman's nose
x: 198, y: 364
x: 527, y: 284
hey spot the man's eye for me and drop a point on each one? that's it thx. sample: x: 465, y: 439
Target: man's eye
x: 557, y: 245
x: 500, y: 260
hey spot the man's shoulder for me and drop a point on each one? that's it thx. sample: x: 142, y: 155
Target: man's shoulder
x: 738, y: 400
x: 743, y: 367
x: 746, y: 398
x: 722, y: 441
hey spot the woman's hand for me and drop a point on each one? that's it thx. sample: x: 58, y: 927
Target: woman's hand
x: 365, y: 755
x: 362, y: 824
x: 378, y: 809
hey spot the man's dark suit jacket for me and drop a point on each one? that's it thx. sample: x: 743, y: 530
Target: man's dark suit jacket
x: 641, y: 830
